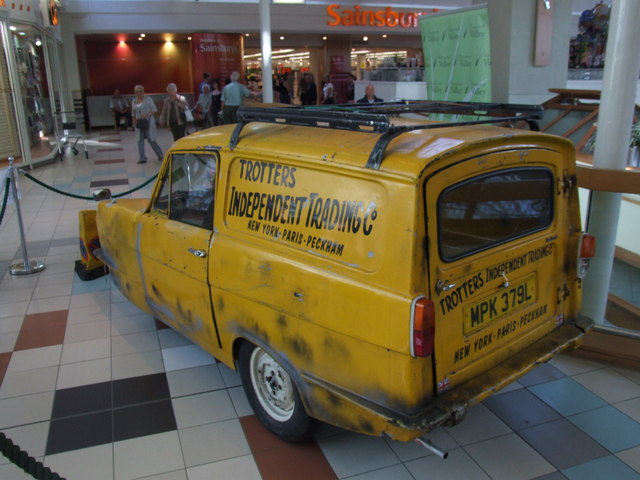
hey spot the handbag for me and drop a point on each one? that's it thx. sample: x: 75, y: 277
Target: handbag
x: 188, y: 115
x: 142, y: 123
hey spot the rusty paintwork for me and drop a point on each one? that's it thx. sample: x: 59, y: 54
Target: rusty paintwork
x: 330, y: 296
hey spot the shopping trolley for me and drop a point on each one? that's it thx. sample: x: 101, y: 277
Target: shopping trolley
x: 69, y: 129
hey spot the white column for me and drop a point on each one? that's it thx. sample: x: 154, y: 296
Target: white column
x: 265, y: 44
x: 622, y: 67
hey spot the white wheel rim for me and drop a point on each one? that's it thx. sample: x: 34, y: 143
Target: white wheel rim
x: 272, y: 385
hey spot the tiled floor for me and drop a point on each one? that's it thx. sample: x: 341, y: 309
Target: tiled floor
x: 98, y: 390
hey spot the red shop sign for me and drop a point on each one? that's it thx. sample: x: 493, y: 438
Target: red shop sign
x: 360, y: 17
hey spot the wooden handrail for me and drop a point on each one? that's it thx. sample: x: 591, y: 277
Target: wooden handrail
x: 619, y: 181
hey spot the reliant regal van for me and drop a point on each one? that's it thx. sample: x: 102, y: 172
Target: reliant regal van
x: 372, y: 271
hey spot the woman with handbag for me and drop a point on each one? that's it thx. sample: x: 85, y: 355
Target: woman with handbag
x: 175, y: 112
x: 201, y: 110
x: 142, y: 110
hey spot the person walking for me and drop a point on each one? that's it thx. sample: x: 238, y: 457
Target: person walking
x: 233, y: 96
x: 173, y: 112
x: 142, y: 111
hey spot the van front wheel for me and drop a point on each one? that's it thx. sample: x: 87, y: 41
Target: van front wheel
x: 273, y: 395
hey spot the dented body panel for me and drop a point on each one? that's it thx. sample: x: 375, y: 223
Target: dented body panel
x: 318, y: 260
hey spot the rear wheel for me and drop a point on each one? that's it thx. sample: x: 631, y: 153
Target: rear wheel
x: 273, y: 394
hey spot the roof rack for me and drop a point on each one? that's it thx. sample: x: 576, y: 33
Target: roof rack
x: 374, y: 118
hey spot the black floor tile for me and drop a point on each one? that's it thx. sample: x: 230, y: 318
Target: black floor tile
x: 148, y: 388
x: 543, y: 373
x: 563, y: 444
x: 521, y: 409
x: 142, y: 420
x: 81, y: 431
x: 81, y: 400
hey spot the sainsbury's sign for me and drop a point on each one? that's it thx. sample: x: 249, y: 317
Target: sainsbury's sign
x: 360, y: 17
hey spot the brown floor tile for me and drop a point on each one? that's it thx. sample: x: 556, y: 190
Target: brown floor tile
x: 277, y: 459
x: 4, y: 363
x: 42, y: 330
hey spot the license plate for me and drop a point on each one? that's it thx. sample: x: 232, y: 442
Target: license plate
x: 498, y: 305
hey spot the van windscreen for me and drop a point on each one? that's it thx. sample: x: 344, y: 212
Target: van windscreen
x: 492, y: 209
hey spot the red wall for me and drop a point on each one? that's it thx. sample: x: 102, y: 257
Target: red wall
x: 151, y: 64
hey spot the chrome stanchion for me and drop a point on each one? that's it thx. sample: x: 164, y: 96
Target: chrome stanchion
x: 26, y: 267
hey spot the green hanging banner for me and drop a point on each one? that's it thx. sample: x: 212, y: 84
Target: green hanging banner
x: 457, y: 55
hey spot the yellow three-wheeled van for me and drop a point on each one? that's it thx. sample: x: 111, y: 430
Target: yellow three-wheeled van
x: 373, y: 271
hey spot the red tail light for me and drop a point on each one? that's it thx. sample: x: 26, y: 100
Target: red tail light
x: 586, y: 250
x: 587, y: 246
x: 423, y: 327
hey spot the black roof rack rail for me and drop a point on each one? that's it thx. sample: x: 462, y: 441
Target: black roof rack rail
x: 374, y: 118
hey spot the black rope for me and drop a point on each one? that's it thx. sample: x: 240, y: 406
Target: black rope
x: 7, y: 186
x: 27, y: 463
x: 82, y: 197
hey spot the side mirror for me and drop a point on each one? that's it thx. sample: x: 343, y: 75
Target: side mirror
x: 102, y: 194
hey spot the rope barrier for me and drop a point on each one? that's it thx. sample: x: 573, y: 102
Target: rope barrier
x: 7, y: 186
x: 83, y: 197
x: 30, y: 465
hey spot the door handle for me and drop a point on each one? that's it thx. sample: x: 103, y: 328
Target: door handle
x: 442, y: 287
x: 198, y: 253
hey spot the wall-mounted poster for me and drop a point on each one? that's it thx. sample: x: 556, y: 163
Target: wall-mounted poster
x: 219, y: 54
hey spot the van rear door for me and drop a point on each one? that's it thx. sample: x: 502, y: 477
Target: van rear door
x: 494, y: 262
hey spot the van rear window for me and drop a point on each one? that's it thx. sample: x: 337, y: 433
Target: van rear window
x: 492, y: 209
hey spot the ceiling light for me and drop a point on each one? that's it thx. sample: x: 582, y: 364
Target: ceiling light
x: 365, y: 38
x: 281, y: 38
x: 12, y: 28
x: 140, y: 38
x: 188, y: 38
x: 38, y: 43
x: 384, y: 36
x: 246, y: 34
x: 142, y: 35
x: 324, y: 38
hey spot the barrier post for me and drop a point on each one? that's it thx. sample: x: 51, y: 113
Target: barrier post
x: 26, y: 267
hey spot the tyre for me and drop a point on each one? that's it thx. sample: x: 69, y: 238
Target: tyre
x: 273, y: 395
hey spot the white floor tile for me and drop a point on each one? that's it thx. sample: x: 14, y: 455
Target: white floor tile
x: 11, y: 324
x: 459, y: 465
x: 51, y: 291
x: 194, y: 380
x: 87, y: 350
x: 132, y: 324
x: 574, y: 365
x: 240, y: 402
x: 203, y: 408
x: 48, y: 304
x: 631, y: 457
x: 27, y: 409
x: 80, y: 332
x: 170, y: 338
x: 351, y: 453
x: 186, y: 356
x: 35, y: 358
x: 244, y: 468
x: 224, y: 440
x: 145, y: 456
x: 75, y: 464
x: 480, y: 424
x: 8, y: 341
x: 518, y: 461
x: 609, y: 385
x: 134, y: 343
x: 96, y: 313
x: 397, y: 472
x: 92, y: 299
x: 27, y: 382
x: 32, y: 438
x: 84, y: 373
x: 13, y: 309
x: 136, y: 365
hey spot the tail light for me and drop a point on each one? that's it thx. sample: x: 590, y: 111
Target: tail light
x: 423, y: 327
x: 586, y: 250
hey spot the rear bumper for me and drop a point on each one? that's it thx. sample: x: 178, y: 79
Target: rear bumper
x: 451, y: 407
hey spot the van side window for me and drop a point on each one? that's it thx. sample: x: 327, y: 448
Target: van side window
x: 188, y: 189
x: 492, y: 209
